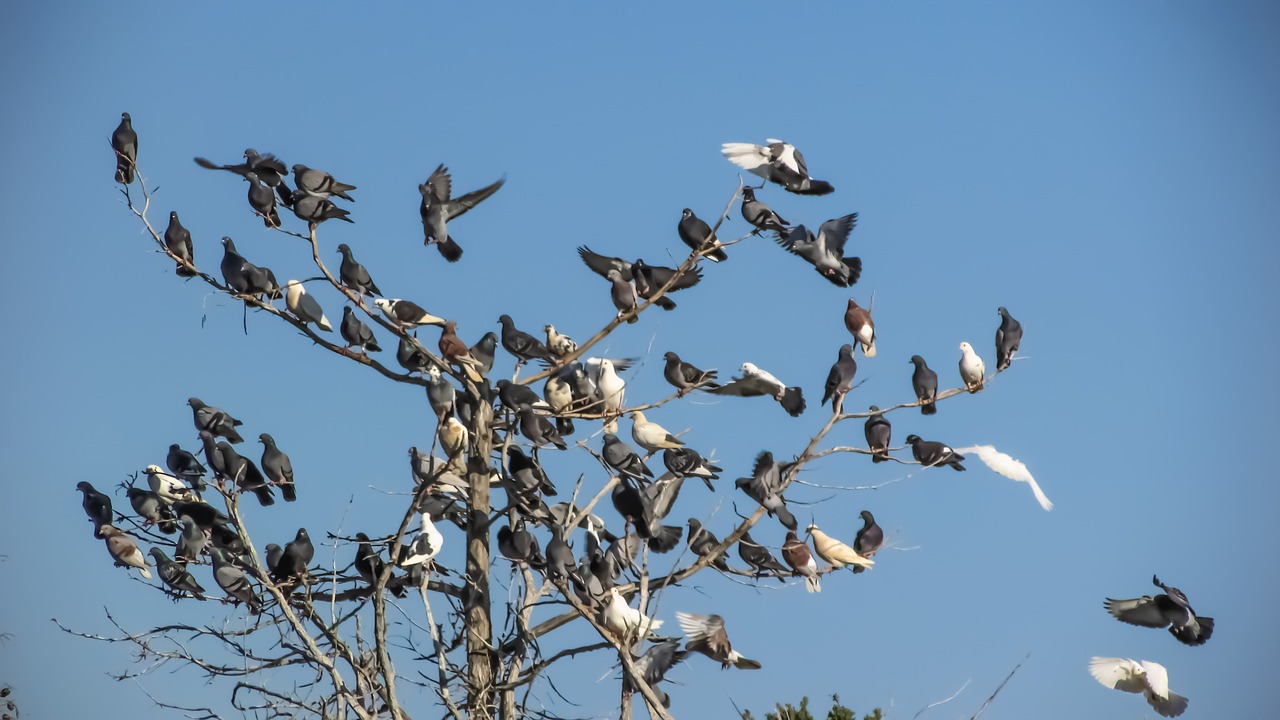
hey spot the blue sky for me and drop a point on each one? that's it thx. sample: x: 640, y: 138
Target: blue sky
x: 1104, y: 170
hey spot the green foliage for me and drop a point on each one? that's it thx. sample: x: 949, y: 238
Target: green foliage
x: 791, y: 712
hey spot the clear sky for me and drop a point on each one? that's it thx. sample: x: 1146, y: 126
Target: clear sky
x: 1105, y: 170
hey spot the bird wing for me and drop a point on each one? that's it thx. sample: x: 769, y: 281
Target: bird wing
x: 833, y: 234
x: 659, y: 276
x: 746, y: 386
x: 441, y: 183
x: 1157, y: 678
x: 458, y: 206
x: 799, y: 241
x: 1118, y: 673
x: 1007, y: 466
x: 602, y: 264
x: 747, y: 156
x: 1141, y: 611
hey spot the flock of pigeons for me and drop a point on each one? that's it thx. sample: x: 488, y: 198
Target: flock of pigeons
x: 575, y: 388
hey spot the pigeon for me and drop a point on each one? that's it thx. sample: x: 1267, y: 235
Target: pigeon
x: 175, y: 575
x: 425, y: 547
x: 278, y: 469
x: 243, y: 277
x: 687, y: 462
x: 835, y: 552
x: 483, y: 351
x: 205, y: 515
x: 925, y: 383
x: 439, y: 207
x: 291, y: 568
x: 167, y: 487
x: 706, y: 635
x: 513, y: 395
x: 410, y: 357
x: 440, y: 393
x: 520, y: 344
x: 245, y: 474
x: 825, y: 252
x: 1010, y: 468
x: 1008, y: 338
x: 518, y: 545
x: 368, y: 563
x: 1139, y: 676
x: 696, y: 233
x: 764, y: 486
x: 702, y: 543
x: 525, y: 484
x: 273, y: 553
x: 454, y: 438
x: 602, y: 264
x: 858, y: 321
x: 97, y: 506
x: 760, y: 559
x: 972, y: 369
x: 560, y: 563
x: 265, y: 165
x: 685, y: 377
x: 931, y: 453
x: 406, y: 314
x: 646, y: 507
x: 611, y: 390
x: 356, y: 333
x: 152, y: 509
x: 233, y: 581
x: 123, y: 549
x: 759, y: 215
x: 778, y: 162
x: 878, y: 432
x: 178, y: 239
x: 537, y: 428
x: 797, y: 555
x: 186, y: 466
x: 263, y: 201
x: 869, y: 538
x: 304, y: 307
x: 559, y: 397
x: 650, y: 435
x: 354, y: 275
x: 652, y: 667
x: 623, y: 294
x: 1169, y: 609
x: 755, y: 382
x: 319, y: 183
x: 558, y: 343
x: 649, y: 279
x: 624, y: 620
x: 125, y: 142
x: 840, y: 378
x: 623, y: 458
x: 192, y: 541
x: 432, y: 470
x: 456, y: 352
x: 314, y: 210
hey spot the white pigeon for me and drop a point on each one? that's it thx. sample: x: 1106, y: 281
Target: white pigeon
x: 972, y: 370
x: 425, y: 546
x: 558, y: 343
x: 610, y: 388
x: 169, y: 488
x: 835, y: 552
x: 1008, y: 467
x: 749, y: 370
x: 624, y: 620
x: 1134, y: 676
x: 650, y: 435
x: 304, y: 307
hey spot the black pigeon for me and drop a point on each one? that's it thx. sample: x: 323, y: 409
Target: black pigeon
x: 215, y: 420
x: 314, y: 210
x: 244, y: 277
x: 623, y: 458
x: 319, y: 183
x: 97, y: 506
x: 263, y: 201
x: 178, y: 239
x: 685, y: 377
x: 175, y: 575
x: 925, y: 382
x: 538, y: 429
x: 868, y: 540
x: 1170, y: 609
x: 213, y: 456
x: 513, y: 395
x: 233, y: 581
x: 205, y: 515
x: 702, y: 542
x: 764, y: 486
x: 185, y: 465
x: 932, y: 453
x: 1008, y: 338
x: 878, y: 432
x: 277, y: 467
x: 686, y: 462
x: 439, y: 207
x: 125, y: 142
x: 762, y: 561
x: 265, y: 165
x: 840, y: 378
x: 294, y: 560
x: 410, y: 357
x: 825, y: 252
x: 245, y: 474
x: 696, y: 233
x: 356, y: 333
x: 649, y: 279
x: 152, y: 509
x: 778, y: 162
x: 354, y: 275
x: 761, y: 216
x: 522, y: 345
x: 368, y: 563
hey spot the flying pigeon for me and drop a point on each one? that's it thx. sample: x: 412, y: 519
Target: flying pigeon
x: 835, y: 552
x: 650, y: 435
x: 96, y: 505
x: 263, y: 201
x: 646, y: 507
x: 175, y: 575
x: 686, y: 462
x: 840, y: 378
x: 406, y: 313
x: 623, y: 458
x: 1170, y: 609
x: 925, y: 383
x: 685, y: 377
x: 1010, y: 468
x: 456, y: 352
x: 1139, y: 676
x: 265, y: 165
x: 759, y: 215
x: 755, y: 382
x: 169, y: 488
x: 931, y: 453
x: 797, y: 555
x: 439, y: 207
x: 304, y: 307
x: 778, y: 162
x: 123, y: 549
x: 706, y: 635
x: 370, y: 565
x: 314, y: 210
x: 152, y: 509
x: 354, y: 275
x: 233, y: 581
x: 425, y: 547
x: 1008, y: 338
x: 178, y: 239
x: 191, y: 542
x: 356, y: 333
x: 558, y: 343
x: 624, y: 620
x: 972, y: 369
x: 652, y: 666
x: 245, y: 474
x: 825, y: 252
x: 125, y: 142
x: 760, y: 559
x: 696, y: 233
x: 278, y: 469
x: 702, y: 542
x: 858, y: 321
x: 319, y: 183
x: 878, y: 432
x: 764, y: 486
x: 869, y: 538
x: 520, y: 344
x: 602, y: 264
x: 291, y: 567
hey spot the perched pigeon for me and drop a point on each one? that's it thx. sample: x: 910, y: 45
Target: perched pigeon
x: 278, y: 469
x: 1169, y: 609
x: 649, y: 279
x: 972, y: 369
x: 650, y: 435
x: 356, y: 333
x: 623, y: 458
x: 314, y: 210
x: 878, y: 432
x: 537, y: 428
x: 483, y: 352
x: 513, y: 395
x: 686, y: 462
x: 205, y: 515
x: 243, y: 277
x: 520, y: 344
x: 1145, y: 677
x: 518, y: 545
x: 191, y: 542
x: 304, y: 307
x: 185, y: 465
x: 123, y: 549
x: 760, y: 559
x: 245, y: 474
x: 835, y: 552
x: 369, y: 564
x: 558, y: 343
x: 263, y: 201
x: 869, y: 538
x: 265, y: 165
x: 97, y: 506
x: 925, y: 383
x: 175, y: 575
x: 761, y: 216
x: 840, y: 378
x: 755, y: 382
x: 233, y: 581
x: 178, y: 239
x: 440, y: 393
x: 439, y: 207
x: 652, y: 667
x: 931, y: 453
x: 354, y: 275
x: 624, y: 620
x: 858, y: 321
x: 291, y: 568
x: 623, y: 294
x: 797, y: 555
x: 1008, y: 338
x: 702, y: 542
x: 825, y: 252
x: 559, y: 397
x: 168, y: 487
x: 406, y: 313
x: 1010, y: 468
x: 685, y: 377
x: 454, y: 438
x: 696, y: 233
x: 425, y: 547
x: 319, y: 183
x: 456, y: 352
x: 765, y: 487
x: 152, y: 509
x: 778, y: 162
x: 560, y: 563
x: 706, y: 635
x: 610, y: 389
x: 410, y: 357
x: 125, y: 142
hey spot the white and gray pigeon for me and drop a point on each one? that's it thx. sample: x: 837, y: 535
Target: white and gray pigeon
x: 168, y: 487
x: 178, y: 240
x: 1169, y: 609
x: 1144, y: 677
x: 759, y: 215
x: 124, y: 140
x: 356, y: 333
x: 1008, y: 339
x: 706, y: 635
x: 424, y: 547
x: 755, y: 382
x: 972, y: 370
x: 406, y: 313
x: 354, y: 275
x: 319, y: 183
x: 765, y: 487
x: 304, y: 307
x: 439, y: 207
x: 825, y: 251
x: 696, y: 233
x: 650, y: 435
x: 778, y: 162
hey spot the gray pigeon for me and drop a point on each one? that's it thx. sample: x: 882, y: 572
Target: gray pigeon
x: 764, y: 486
x: 513, y: 395
x: 602, y: 264
x: 354, y: 275
x: 686, y: 462
x: 762, y: 561
x: 192, y: 541
x: 623, y: 458
x: 521, y: 344
x: 702, y: 542
x: 925, y: 383
x: 649, y: 279
x: 233, y: 581
x: 265, y: 165
x: 152, y: 509
x: 560, y: 563
x: 244, y: 277
x: 291, y: 567
x: 825, y: 252
x: 125, y: 142
x: 245, y: 474
x: 97, y: 506
x: 263, y: 201
x: 185, y: 465
x: 761, y: 216
x: 519, y: 545
x: 1170, y: 609
x: 1008, y: 338
x: 178, y: 239
x: 878, y: 432
x: 653, y: 665
x: 538, y: 429
x: 319, y: 183
x: 356, y: 333
x: 483, y: 351
x: 315, y: 210
x: 778, y: 162
x: 214, y: 420
x: 932, y: 453
x: 623, y: 294
x: 868, y: 540
x: 277, y: 467
x: 440, y: 393
x: 685, y: 377
x: 840, y: 378
x: 439, y: 207
x: 410, y: 357
x: 175, y: 575
x: 696, y: 233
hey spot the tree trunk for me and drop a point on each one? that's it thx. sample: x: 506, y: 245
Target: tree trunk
x: 478, y: 610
